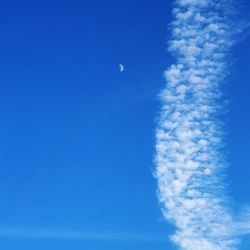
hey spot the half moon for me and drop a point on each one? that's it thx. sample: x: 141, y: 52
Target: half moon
x: 121, y: 67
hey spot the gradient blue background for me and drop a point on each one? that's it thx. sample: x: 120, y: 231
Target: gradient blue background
x: 77, y: 136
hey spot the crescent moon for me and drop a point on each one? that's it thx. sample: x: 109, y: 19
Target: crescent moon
x: 121, y: 67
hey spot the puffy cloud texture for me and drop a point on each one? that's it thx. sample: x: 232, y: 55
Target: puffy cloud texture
x: 189, y: 140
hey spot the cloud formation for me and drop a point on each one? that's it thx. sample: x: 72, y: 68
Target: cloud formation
x: 39, y: 233
x: 189, y: 140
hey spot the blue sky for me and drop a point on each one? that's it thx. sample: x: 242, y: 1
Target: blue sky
x: 77, y: 135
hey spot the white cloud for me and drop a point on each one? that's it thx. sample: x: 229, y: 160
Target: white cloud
x: 39, y: 233
x: 189, y: 137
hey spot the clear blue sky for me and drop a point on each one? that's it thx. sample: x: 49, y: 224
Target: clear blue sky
x: 77, y: 135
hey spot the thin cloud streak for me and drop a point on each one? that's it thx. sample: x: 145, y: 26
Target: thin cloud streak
x: 189, y: 139
x: 34, y: 233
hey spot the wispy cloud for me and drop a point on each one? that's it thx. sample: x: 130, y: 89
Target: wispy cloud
x: 242, y: 225
x: 189, y: 147
x: 38, y: 233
